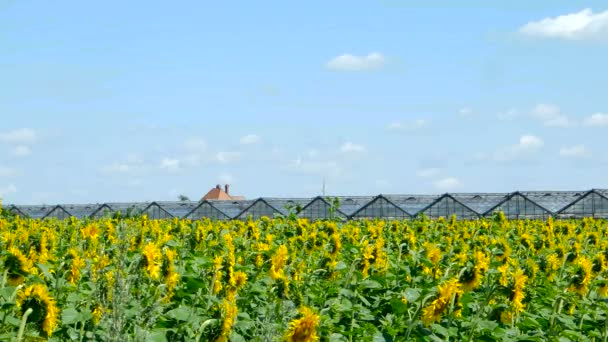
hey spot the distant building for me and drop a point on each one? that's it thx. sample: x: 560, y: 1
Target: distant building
x: 221, y: 195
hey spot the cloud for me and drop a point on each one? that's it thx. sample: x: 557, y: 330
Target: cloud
x: 448, y: 183
x: 22, y: 151
x: 507, y: 115
x: 348, y: 62
x: 23, y: 136
x: 227, y: 157
x: 465, y: 112
x: 574, y: 26
x: 117, y: 168
x: 550, y: 115
x: 130, y: 165
x: 225, y: 178
x: 597, y: 119
x: 170, y: 164
x: 7, y: 190
x: 7, y: 171
x: 577, y: 151
x: 527, y: 146
x: 195, y: 144
x: 407, y: 126
x: 328, y: 168
x: 428, y: 172
x: 351, y: 148
x: 250, y: 139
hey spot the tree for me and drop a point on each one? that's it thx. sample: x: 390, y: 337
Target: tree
x: 183, y: 198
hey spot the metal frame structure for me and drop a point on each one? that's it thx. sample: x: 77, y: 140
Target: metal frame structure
x: 515, y: 205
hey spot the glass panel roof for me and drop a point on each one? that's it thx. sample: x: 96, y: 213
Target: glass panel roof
x: 480, y: 203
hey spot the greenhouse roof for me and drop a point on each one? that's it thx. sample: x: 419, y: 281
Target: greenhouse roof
x: 467, y: 204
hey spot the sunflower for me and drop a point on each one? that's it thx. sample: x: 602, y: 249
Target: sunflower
x: 230, y: 311
x: 77, y: 264
x: 44, y: 311
x: 18, y: 266
x: 470, y: 278
x: 97, y: 314
x: 582, y: 276
x: 602, y: 290
x: 170, y: 277
x: 446, y: 291
x: 278, y: 262
x: 517, y: 290
x: 303, y: 329
x: 433, y: 254
x: 152, y: 260
x: 599, y: 263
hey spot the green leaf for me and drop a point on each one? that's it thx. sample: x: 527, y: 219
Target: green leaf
x: 412, y: 294
x: 45, y: 270
x: 440, y: 330
x: 398, y: 306
x: 157, y: 336
x: 335, y: 337
x: 340, y: 266
x: 70, y: 316
x: 371, y: 284
x: 234, y: 337
x: 379, y: 337
x: 180, y: 314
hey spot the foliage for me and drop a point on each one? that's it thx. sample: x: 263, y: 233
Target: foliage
x: 131, y: 278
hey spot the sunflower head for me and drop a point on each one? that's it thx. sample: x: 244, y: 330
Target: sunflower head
x: 44, y: 311
x: 303, y: 329
x: 470, y: 278
x: 18, y: 266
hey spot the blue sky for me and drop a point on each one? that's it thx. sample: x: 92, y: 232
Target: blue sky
x: 136, y: 101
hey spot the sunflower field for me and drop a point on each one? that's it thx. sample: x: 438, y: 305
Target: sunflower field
x: 288, y: 279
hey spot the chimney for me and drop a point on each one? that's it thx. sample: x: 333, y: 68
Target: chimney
x: 226, y: 188
x: 218, y: 187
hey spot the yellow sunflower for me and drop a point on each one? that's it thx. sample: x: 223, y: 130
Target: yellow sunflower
x: 44, y: 311
x: 303, y: 329
x: 18, y: 266
x: 446, y: 291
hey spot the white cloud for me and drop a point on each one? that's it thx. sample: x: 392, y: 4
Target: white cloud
x: 250, y: 139
x: 328, y: 168
x: 170, y: 164
x: 348, y: 62
x: 597, y: 119
x: 530, y: 142
x: 466, y: 112
x: 448, y: 183
x: 227, y: 157
x: 7, y: 190
x: 507, y: 115
x: 22, y: 151
x: 428, y: 172
x: 350, y: 147
x: 312, y: 153
x: 7, y: 171
x: 577, y: 151
x: 196, y: 144
x: 226, y: 178
x: 574, y: 26
x: 550, y: 115
x: 135, y: 183
x: 131, y: 164
x: 407, y: 126
x: 117, y: 168
x: 527, y: 146
x: 23, y: 136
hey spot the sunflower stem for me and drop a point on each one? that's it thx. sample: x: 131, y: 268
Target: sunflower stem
x: 23, y: 322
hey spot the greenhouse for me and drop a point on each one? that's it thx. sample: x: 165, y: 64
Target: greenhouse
x: 467, y: 206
